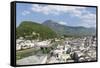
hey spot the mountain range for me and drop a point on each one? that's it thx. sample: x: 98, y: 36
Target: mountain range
x: 51, y: 29
x: 69, y: 30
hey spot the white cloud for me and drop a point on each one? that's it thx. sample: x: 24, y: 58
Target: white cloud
x: 56, y: 9
x: 87, y: 19
x: 62, y: 23
x: 25, y: 12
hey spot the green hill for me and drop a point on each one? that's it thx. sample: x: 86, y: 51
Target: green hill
x: 33, y: 30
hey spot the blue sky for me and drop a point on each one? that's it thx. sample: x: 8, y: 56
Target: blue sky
x: 65, y: 15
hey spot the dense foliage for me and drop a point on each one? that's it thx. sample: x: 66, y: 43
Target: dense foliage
x: 33, y: 30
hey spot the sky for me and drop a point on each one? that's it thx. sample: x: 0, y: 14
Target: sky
x: 64, y: 15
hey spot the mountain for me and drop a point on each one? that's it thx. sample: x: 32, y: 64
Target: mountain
x: 69, y: 30
x: 32, y: 30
